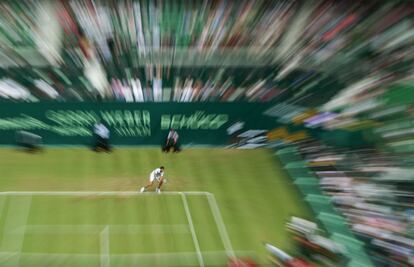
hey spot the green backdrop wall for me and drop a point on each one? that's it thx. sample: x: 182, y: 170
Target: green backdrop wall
x: 130, y: 123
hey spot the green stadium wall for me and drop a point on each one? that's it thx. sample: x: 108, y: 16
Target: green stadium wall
x: 130, y: 123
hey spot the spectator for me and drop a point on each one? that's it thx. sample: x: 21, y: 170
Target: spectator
x: 101, y: 137
x: 30, y: 141
x: 172, y: 142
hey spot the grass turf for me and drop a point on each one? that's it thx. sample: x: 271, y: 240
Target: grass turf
x: 254, y: 195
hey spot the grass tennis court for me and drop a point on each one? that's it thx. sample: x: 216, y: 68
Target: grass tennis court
x: 72, y: 207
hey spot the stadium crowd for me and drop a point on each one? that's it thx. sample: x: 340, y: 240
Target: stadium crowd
x: 373, y: 190
x: 350, y: 59
x: 161, y: 50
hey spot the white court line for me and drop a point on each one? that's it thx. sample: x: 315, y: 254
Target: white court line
x: 17, y: 215
x: 177, y: 255
x: 211, y: 200
x: 2, y: 204
x: 97, y: 228
x: 54, y: 259
x: 193, y: 233
x: 104, y: 239
x: 220, y: 224
x: 97, y: 193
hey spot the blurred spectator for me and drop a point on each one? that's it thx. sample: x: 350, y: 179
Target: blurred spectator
x: 28, y: 140
x: 234, y: 130
x: 242, y: 263
x: 207, y: 51
x: 172, y: 142
x: 373, y: 193
x: 312, y: 245
x: 102, y: 135
x: 281, y: 258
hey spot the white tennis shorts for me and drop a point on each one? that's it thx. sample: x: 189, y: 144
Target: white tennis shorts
x: 152, y: 178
